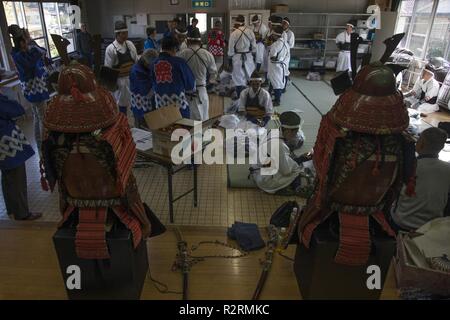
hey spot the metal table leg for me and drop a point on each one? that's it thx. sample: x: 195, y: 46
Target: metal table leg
x: 169, y: 176
x: 195, y: 186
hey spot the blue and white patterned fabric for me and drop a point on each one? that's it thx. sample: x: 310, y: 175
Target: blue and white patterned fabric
x: 32, y: 74
x: 142, y: 98
x: 171, y: 78
x: 14, y: 147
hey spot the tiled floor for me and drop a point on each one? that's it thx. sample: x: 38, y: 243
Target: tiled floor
x: 218, y: 205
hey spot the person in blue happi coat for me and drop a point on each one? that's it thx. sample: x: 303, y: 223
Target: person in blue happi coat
x: 171, y: 78
x: 29, y: 60
x: 142, y: 96
x: 15, y: 150
x: 151, y: 42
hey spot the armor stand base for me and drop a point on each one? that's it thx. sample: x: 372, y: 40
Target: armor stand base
x: 319, y: 277
x: 120, y: 277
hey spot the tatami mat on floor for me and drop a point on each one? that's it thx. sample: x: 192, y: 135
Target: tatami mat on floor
x: 218, y: 205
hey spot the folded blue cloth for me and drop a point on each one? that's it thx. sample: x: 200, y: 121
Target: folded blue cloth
x: 247, y: 236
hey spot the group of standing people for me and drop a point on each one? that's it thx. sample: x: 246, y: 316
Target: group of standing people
x: 261, y: 48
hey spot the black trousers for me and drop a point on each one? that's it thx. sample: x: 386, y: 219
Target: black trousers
x: 14, y: 184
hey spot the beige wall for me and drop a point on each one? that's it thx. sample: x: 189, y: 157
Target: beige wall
x: 100, y: 12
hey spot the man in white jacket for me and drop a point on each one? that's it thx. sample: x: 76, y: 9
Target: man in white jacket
x: 261, y: 31
x: 288, y: 176
x: 241, y: 47
x: 343, y: 41
x: 121, y: 54
x: 424, y: 94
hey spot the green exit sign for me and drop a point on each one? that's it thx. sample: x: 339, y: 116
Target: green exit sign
x: 201, y: 4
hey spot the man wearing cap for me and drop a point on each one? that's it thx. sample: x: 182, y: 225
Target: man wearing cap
x: 121, y: 54
x: 202, y: 64
x: 277, y: 69
x: 241, y: 47
x: 142, y: 96
x: 171, y: 78
x: 255, y: 102
x: 288, y: 178
x: 290, y: 41
x: 343, y: 41
x: 424, y: 94
x: 260, y: 30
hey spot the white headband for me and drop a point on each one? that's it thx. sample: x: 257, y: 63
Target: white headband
x: 350, y: 25
x: 290, y: 127
x: 120, y: 30
x: 181, y: 32
x: 256, y: 79
x: 195, y: 39
x: 277, y: 34
x: 286, y: 21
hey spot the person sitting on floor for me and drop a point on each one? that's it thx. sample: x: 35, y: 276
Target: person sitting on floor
x: 255, y: 102
x: 291, y: 178
x: 423, y: 96
x: 432, y: 185
x: 15, y: 150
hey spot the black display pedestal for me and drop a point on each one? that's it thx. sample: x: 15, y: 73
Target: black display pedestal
x: 319, y: 277
x: 121, y: 277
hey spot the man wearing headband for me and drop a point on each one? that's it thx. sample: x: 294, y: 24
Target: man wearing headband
x: 278, y: 59
x: 343, y: 41
x: 274, y: 21
x: 424, y: 94
x: 241, y: 47
x: 290, y: 41
x: 288, y: 180
x: 171, y: 78
x: 181, y: 35
x: 121, y: 54
x: 255, y: 102
x: 261, y: 32
x: 203, y: 65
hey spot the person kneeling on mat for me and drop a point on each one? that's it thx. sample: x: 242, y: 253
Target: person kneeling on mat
x: 291, y: 178
x: 255, y: 102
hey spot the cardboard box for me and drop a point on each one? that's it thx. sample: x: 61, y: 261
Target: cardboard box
x: 216, y: 106
x: 409, y: 275
x: 162, y: 122
x: 280, y: 8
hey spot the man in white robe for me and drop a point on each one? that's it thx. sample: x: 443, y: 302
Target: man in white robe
x: 241, y: 47
x: 343, y: 41
x: 261, y: 31
x: 424, y: 94
x: 121, y: 54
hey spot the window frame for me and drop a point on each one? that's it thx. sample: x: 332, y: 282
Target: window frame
x: 20, y: 18
x: 409, y: 31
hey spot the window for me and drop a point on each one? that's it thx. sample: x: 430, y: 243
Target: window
x: 427, y: 27
x: 42, y: 20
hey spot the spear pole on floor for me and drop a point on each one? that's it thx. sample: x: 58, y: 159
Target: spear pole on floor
x: 183, y: 261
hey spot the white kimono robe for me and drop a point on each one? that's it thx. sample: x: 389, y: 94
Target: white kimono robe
x: 260, y: 48
x: 264, y: 98
x: 201, y: 62
x: 278, y: 59
x: 290, y: 41
x: 431, y: 90
x: 122, y: 94
x: 344, y: 59
x: 241, y: 46
x: 287, y: 170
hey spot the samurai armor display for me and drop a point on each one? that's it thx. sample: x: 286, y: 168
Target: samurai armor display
x: 89, y: 152
x: 362, y: 158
